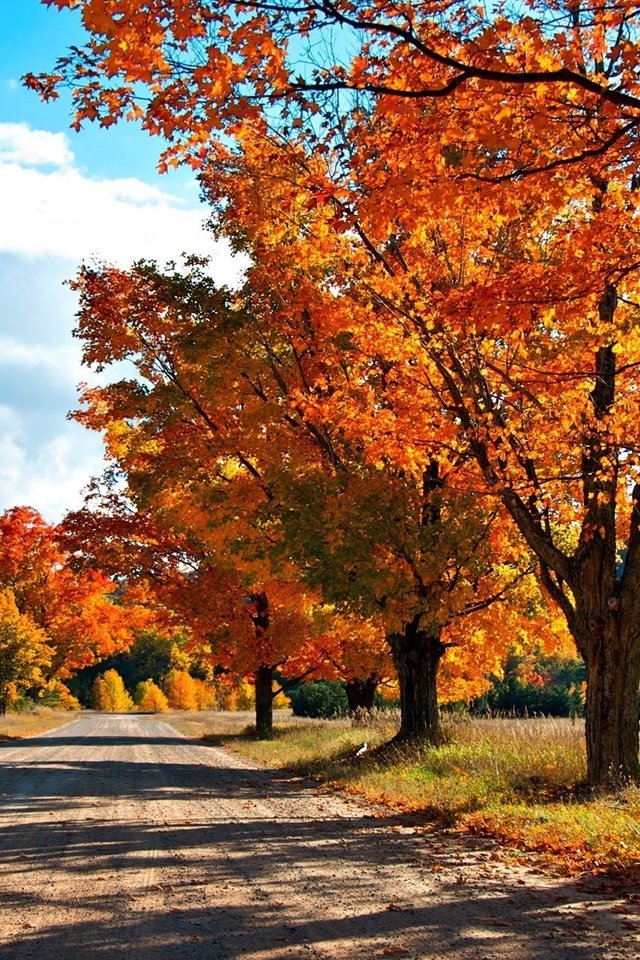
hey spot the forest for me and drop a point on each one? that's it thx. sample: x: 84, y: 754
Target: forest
x: 406, y: 445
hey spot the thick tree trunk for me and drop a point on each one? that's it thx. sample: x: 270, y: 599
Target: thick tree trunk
x: 360, y: 692
x: 264, y: 703
x: 607, y: 633
x: 416, y: 655
x: 613, y: 676
x: 606, y: 624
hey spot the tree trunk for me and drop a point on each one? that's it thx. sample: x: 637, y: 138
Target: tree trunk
x: 607, y: 633
x: 264, y: 703
x: 416, y: 655
x: 360, y: 692
x: 264, y: 673
x: 611, y: 713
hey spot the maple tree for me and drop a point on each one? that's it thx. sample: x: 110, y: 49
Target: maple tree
x: 468, y: 184
x: 359, y: 653
x: 411, y: 551
x: 193, y: 585
x: 219, y: 441
x: 196, y: 439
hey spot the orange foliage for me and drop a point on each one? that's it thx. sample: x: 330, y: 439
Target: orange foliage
x: 447, y: 262
x: 76, y: 610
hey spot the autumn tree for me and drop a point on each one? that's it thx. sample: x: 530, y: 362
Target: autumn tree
x: 76, y: 609
x: 196, y: 439
x: 110, y: 694
x: 474, y: 179
x: 359, y: 652
x: 230, y: 406
x: 24, y: 651
x: 148, y: 697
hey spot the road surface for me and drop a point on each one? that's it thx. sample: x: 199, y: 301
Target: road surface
x: 122, y: 840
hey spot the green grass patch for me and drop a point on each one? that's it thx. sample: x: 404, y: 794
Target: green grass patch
x: 520, y: 780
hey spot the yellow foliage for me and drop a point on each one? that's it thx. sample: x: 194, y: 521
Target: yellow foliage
x: 150, y: 698
x: 243, y: 697
x: 178, y: 658
x: 281, y: 701
x: 205, y: 695
x: 110, y: 694
x: 64, y: 698
x: 180, y: 688
x: 23, y: 650
x: 185, y: 692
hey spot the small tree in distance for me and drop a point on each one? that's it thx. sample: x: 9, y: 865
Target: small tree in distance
x: 110, y: 694
x: 149, y: 697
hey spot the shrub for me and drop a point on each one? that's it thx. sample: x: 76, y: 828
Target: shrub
x: 205, y: 695
x: 321, y: 698
x: 185, y: 692
x: 57, y: 695
x: 536, y: 684
x: 245, y: 697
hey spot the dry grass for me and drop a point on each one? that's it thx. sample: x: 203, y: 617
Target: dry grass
x: 15, y: 726
x: 221, y: 723
x: 518, y: 780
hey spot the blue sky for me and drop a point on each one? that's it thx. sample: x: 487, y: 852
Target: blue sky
x: 64, y: 198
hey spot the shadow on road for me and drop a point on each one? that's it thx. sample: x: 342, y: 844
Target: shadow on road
x: 223, y: 882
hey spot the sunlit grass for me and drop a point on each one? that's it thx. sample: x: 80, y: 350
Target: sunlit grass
x: 15, y: 726
x: 521, y: 780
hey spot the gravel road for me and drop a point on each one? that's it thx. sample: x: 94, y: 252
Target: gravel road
x: 122, y: 840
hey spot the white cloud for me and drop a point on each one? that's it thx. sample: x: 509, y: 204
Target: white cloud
x: 51, y: 476
x: 60, y: 362
x: 53, y: 216
x: 64, y: 213
x: 20, y: 144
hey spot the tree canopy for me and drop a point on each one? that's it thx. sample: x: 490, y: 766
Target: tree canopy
x: 441, y: 208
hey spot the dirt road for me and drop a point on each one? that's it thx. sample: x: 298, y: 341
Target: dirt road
x: 121, y: 840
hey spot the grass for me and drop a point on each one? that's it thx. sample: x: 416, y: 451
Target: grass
x: 16, y: 726
x: 518, y: 780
